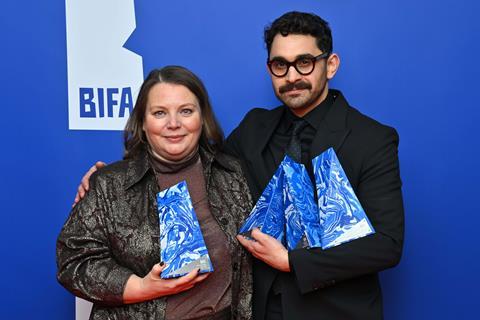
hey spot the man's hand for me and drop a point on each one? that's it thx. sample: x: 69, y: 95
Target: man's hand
x: 267, y: 249
x: 84, y: 184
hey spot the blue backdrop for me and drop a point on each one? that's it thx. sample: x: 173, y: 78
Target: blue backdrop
x: 410, y: 64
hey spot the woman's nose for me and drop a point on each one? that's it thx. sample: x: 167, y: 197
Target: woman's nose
x: 173, y: 122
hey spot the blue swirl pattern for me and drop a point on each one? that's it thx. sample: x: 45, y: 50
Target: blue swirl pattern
x: 287, y: 210
x: 301, y: 213
x: 341, y: 214
x: 268, y: 213
x: 181, y: 241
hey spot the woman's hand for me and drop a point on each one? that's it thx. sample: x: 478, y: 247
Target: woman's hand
x: 152, y: 286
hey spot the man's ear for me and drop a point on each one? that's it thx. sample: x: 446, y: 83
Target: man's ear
x: 333, y: 63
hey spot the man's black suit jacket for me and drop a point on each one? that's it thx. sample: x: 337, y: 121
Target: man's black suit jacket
x: 341, y: 282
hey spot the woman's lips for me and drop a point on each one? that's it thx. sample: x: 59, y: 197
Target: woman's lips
x: 175, y: 139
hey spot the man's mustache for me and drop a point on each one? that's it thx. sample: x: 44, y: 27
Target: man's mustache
x: 294, y: 86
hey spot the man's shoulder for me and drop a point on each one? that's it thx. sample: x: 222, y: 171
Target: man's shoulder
x: 367, y: 135
x: 344, y: 114
x: 366, y: 125
x: 257, y: 116
x: 264, y: 111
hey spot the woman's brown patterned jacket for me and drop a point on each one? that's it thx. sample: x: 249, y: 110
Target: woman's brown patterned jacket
x: 113, y: 232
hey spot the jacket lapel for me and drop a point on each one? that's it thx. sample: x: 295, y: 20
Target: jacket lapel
x: 333, y: 130
x: 256, y: 160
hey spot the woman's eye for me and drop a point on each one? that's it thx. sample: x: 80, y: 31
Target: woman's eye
x: 187, y: 111
x: 158, y: 114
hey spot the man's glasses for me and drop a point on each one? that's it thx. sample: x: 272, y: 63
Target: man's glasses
x: 304, y: 65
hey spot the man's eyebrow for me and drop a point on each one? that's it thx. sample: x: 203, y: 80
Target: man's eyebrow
x: 305, y: 55
x: 300, y: 56
x: 277, y: 58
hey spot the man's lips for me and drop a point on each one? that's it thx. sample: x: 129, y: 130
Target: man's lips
x: 294, y: 92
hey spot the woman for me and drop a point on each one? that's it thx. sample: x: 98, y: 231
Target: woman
x: 108, y: 251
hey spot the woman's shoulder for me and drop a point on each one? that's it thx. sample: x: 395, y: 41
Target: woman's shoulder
x: 119, y: 173
x: 228, y: 162
x: 114, y: 169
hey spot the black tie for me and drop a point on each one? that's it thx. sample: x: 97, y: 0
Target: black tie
x: 294, y: 148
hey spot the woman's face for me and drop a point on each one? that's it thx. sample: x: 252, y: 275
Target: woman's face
x: 173, y: 121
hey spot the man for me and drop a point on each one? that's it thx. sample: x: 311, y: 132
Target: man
x: 340, y: 282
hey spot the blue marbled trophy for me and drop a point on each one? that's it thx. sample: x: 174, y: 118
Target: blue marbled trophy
x: 181, y: 241
x: 341, y: 215
x: 268, y: 213
x: 301, y: 212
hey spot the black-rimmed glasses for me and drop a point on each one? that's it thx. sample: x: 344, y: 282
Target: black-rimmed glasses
x: 304, y: 65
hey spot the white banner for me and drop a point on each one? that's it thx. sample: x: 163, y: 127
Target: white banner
x: 103, y: 76
x: 82, y: 309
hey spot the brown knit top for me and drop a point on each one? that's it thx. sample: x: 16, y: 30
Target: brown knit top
x: 214, y: 293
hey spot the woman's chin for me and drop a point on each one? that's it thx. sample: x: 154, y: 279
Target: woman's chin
x: 175, y: 155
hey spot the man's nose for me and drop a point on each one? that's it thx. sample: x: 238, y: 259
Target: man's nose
x: 292, y: 74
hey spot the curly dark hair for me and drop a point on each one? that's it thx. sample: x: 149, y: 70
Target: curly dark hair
x: 295, y: 22
x: 134, y: 137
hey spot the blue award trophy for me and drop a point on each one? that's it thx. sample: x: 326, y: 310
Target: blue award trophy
x: 268, y: 213
x: 287, y: 210
x: 341, y: 215
x: 301, y: 213
x: 181, y: 241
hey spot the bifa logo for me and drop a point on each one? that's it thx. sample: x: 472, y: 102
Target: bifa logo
x: 103, y: 76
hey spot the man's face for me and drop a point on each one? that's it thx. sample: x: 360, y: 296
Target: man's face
x: 299, y: 92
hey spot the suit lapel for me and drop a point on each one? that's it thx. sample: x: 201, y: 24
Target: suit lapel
x: 262, y: 137
x: 332, y: 131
